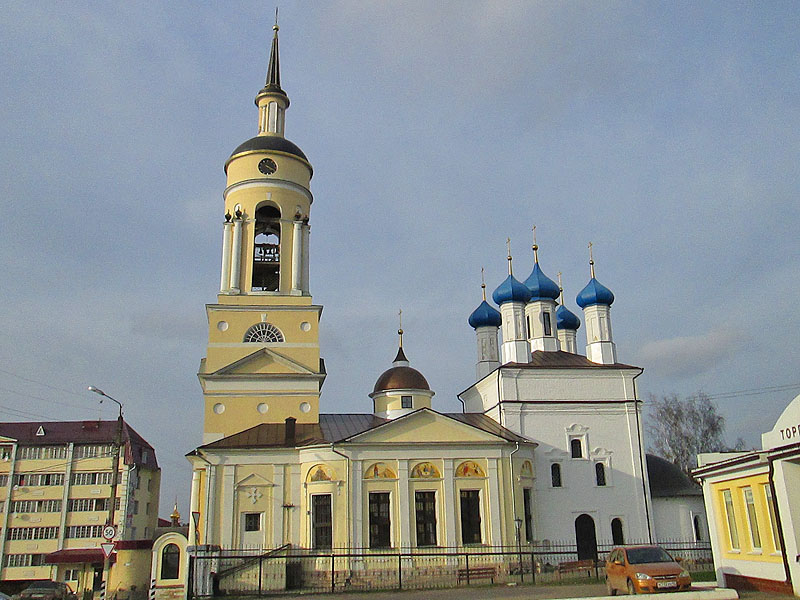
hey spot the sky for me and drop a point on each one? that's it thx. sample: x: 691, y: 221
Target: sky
x: 666, y: 133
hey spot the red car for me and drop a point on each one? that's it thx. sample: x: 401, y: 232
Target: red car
x: 644, y: 570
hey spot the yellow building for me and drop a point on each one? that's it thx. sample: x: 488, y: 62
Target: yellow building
x: 753, y: 505
x: 272, y: 471
x: 55, y: 492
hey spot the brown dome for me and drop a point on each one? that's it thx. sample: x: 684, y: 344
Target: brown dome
x: 401, y: 378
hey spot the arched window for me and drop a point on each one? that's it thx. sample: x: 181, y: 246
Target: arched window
x: 555, y: 475
x: 616, y: 532
x: 267, y: 249
x: 262, y: 333
x: 170, y: 562
x: 600, y: 473
x: 698, y: 529
x: 575, y: 447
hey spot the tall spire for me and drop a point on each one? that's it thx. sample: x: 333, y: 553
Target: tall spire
x: 400, y: 359
x: 535, y: 247
x: 273, y: 83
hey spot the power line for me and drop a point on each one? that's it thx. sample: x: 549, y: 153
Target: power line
x: 71, y: 392
x: 83, y: 408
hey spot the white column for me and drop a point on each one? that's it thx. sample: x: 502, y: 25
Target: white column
x: 536, y: 312
x: 496, y: 538
x: 297, y: 256
x: 194, y: 505
x: 404, y: 512
x: 211, y: 488
x: 449, y: 504
x: 567, y: 339
x: 277, y: 506
x: 225, y: 279
x: 306, y: 251
x: 488, y: 354
x: 357, y: 503
x: 236, y: 258
x: 515, y: 343
x: 227, y: 509
x: 600, y: 347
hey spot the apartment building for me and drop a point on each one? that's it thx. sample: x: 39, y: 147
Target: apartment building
x: 55, y: 497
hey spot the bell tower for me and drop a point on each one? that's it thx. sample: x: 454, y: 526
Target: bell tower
x: 263, y: 363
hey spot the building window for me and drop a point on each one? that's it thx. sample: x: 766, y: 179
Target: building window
x: 405, y: 401
x: 773, y: 520
x: 548, y: 327
x: 380, y: 530
x: 616, y: 532
x: 752, y: 521
x: 170, y: 562
x: 136, y: 507
x: 600, y: 474
x: 470, y: 517
x: 252, y: 521
x: 575, y: 448
x: 698, y: 529
x: 321, y: 522
x: 262, y: 333
x: 555, y: 475
x: 526, y: 505
x: 425, y: 508
x: 72, y: 574
x: 733, y: 533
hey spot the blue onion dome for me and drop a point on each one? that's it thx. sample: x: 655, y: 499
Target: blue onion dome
x: 511, y: 290
x: 485, y: 316
x: 594, y: 293
x: 541, y: 286
x: 566, y: 319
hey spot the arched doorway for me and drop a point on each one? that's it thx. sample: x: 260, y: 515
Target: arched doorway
x: 585, y: 537
x: 617, y: 536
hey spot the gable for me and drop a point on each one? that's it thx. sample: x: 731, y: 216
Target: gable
x: 254, y: 480
x: 264, y: 360
x: 425, y: 426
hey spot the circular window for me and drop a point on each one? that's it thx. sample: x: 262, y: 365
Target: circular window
x: 222, y: 326
x: 262, y: 408
x: 262, y: 333
x: 305, y: 326
x: 305, y: 407
x: 219, y: 408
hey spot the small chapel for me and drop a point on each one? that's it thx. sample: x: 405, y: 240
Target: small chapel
x: 548, y: 446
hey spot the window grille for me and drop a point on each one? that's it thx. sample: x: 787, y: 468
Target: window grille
x: 263, y: 333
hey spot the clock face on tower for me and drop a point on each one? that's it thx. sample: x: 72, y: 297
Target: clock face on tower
x: 267, y: 166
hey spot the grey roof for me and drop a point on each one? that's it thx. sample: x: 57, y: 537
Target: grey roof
x: 563, y: 360
x: 274, y: 143
x: 667, y: 480
x: 333, y: 428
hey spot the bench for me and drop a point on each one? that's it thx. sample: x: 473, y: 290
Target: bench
x: 575, y: 566
x: 476, y: 573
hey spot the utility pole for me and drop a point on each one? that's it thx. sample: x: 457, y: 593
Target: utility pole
x: 112, y: 503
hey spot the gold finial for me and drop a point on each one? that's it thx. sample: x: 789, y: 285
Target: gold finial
x: 175, y: 516
x: 591, y: 260
x: 508, y: 245
x: 483, y: 285
x: 560, y: 290
x: 275, y: 27
x: 400, y: 329
x: 535, y: 247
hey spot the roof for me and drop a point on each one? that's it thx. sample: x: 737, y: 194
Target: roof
x: 594, y: 293
x: 273, y: 143
x: 81, y: 432
x: 401, y: 378
x: 77, y: 556
x: 667, y: 480
x: 541, y: 359
x: 333, y: 428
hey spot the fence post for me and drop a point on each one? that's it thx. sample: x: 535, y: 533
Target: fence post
x: 333, y: 572
x: 260, y: 571
x: 466, y: 564
x: 399, y: 571
x: 533, y: 567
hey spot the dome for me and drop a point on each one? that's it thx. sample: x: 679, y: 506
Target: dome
x: 594, y: 293
x: 566, y: 319
x: 401, y: 378
x: 668, y: 480
x: 274, y: 143
x: 485, y: 316
x: 511, y: 290
x: 541, y: 286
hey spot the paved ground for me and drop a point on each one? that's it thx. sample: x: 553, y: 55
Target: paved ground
x: 518, y: 592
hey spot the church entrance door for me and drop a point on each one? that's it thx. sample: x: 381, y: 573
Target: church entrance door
x: 585, y: 537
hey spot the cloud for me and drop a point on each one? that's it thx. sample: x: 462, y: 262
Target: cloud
x: 687, y: 356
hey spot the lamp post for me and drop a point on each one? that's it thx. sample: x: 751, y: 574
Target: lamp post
x: 518, y: 524
x: 114, y: 478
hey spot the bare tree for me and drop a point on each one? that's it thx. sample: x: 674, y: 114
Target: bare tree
x: 681, y: 428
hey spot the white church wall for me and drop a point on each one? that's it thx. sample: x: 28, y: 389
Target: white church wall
x: 673, y: 519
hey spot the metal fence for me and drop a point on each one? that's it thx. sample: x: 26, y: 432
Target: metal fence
x: 235, y: 572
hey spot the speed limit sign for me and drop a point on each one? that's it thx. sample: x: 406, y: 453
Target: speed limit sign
x: 109, y: 532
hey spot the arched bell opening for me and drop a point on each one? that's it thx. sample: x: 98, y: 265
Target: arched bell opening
x: 267, y: 249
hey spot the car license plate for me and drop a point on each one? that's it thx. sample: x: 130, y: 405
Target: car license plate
x: 667, y: 584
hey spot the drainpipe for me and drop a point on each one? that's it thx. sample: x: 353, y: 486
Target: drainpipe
x: 349, y: 494
x: 642, y: 457
x: 778, y: 519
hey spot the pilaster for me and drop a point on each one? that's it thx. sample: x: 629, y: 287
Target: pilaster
x: 403, y: 510
x: 449, y: 504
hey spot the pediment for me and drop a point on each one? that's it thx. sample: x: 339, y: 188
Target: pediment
x: 254, y: 480
x: 556, y: 454
x: 6, y: 439
x: 601, y: 452
x: 264, y: 360
x: 425, y: 426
